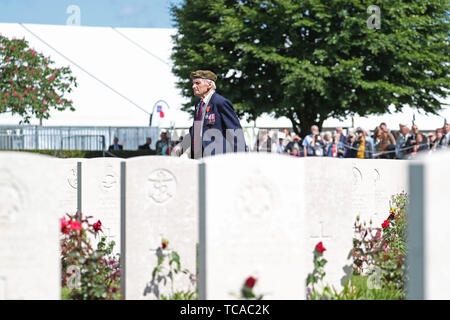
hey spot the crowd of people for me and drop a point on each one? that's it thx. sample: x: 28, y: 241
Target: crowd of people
x: 382, y: 143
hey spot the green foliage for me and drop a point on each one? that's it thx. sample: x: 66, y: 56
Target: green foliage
x: 378, y: 258
x: 318, y: 273
x: 98, y: 270
x: 167, y: 268
x: 29, y: 86
x: 356, y: 289
x: 312, y: 60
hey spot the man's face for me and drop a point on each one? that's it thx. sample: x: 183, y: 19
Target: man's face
x: 314, y: 129
x: 116, y: 140
x: 149, y: 141
x: 200, y: 87
x: 447, y: 128
x: 163, y: 136
x: 384, y: 128
x: 414, y: 129
x: 404, y: 130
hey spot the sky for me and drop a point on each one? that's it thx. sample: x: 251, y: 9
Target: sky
x: 111, y: 13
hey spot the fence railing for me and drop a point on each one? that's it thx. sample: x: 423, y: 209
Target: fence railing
x: 74, y: 138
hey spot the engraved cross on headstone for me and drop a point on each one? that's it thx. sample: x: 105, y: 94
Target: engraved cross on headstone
x: 322, y: 232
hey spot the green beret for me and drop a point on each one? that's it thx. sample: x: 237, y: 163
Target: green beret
x: 203, y: 74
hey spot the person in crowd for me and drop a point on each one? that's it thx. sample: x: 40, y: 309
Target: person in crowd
x: 336, y: 149
x: 361, y: 147
x: 318, y: 145
x: 435, y: 139
x: 341, y: 135
x: 146, y: 145
x: 431, y: 139
x: 280, y: 147
x: 388, y: 142
x: 263, y: 141
x: 444, y: 142
x: 287, y: 138
x: 401, y: 148
x: 295, y: 143
x: 167, y: 148
x: 377, y: 138
x: 163, y: 142
x: 115, y: 145
x: 313, y: 144
x: 369, y: 139
x: 348, y: 145
x: 295, y: 152
x: 419, y: 146
x: 328, y: 139
x: 412, y: 139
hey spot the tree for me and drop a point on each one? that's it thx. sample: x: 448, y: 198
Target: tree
x: 29, y: 86
x: 311, y: 60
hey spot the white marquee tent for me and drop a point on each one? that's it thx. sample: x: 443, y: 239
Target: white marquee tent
x: 123, y: 72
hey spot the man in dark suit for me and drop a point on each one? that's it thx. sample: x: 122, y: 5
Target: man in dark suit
x: 216, y: 127
x: 147, y: 144
x: 115, y: 145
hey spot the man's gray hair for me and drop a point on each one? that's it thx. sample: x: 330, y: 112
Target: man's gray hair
x: 212, y: 83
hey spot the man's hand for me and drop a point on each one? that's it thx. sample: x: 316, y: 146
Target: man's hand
x: 176, y: 151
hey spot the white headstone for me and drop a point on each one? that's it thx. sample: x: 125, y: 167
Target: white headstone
x: 374, y: 183
x: 252, y: 224
x: 66, y: 174
x: 101, y: 196
x: 161, y: 203
x: 327, y: 198
x: 429, y: 221
x: 29, y: 227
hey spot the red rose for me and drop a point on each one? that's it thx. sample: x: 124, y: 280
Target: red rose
x: 320, y: 248
x: 391, y: 216
x: 378, y: 236
x: 250, y: 282
x: 75, y: 225
x: 97, y: 226
x: 165, y: 243
x: 385, y: 224
x: 65, y: 228
x: 52, y: 78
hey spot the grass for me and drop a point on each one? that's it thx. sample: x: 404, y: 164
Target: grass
x: 357, y: 289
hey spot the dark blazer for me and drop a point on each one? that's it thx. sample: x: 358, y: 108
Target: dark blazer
x: 220, y: 115
x: 111, y: 147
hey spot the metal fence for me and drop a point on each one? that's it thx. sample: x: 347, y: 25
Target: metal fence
x: 74, y: 138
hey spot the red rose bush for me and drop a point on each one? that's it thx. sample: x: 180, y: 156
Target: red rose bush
x: 87, y: 272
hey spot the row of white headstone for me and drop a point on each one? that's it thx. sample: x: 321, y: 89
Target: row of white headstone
x: 229, y: 217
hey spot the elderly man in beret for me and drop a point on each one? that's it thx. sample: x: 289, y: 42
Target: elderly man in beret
x: 216, y: 127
